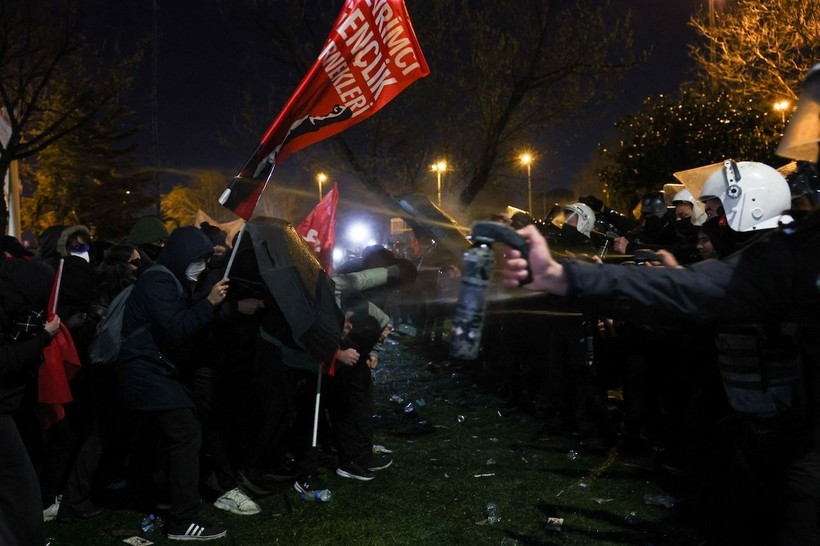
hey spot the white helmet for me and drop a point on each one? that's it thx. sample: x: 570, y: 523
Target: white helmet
x: 683, y: 196
x: 698, y: 214
x: 586, y: 218
x: 753, y: 194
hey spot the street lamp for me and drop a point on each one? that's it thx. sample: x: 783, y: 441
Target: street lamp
x: 526, y: 159
x: 781, y: 106
x: 438, y: 168
x: 321, y: 178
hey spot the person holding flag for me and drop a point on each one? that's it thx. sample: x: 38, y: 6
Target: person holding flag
x: 24, y: 335
x: 370, y: 56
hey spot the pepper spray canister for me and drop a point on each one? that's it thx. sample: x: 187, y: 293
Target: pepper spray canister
x: 465, y: 338
x: 468, y: 320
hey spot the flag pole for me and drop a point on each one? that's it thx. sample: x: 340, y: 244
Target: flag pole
x: 56, y: 292
x: 241, y: 231
x: 316, y: 409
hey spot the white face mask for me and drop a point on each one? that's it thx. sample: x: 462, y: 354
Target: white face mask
x: 83, y: 255
x: 81, y: 251
x: 195, y: 269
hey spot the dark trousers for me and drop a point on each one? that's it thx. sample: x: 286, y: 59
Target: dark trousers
x: 179, y: 439
x: 209, y: 394
x: 351, y: 411
x: 764, y: 489
x: 21, y: 507
x: 77, y: 493
x: 269, y: 410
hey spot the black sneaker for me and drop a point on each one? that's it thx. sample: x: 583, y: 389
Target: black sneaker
x: 309, y: 484
x: 195, y: 531
x: 313, y: 487
x: 355, y: 471
x: 375, y: 462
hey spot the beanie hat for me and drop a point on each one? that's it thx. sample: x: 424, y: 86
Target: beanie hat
x: 148, y: 229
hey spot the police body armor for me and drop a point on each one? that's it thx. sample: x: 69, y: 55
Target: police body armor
x: 762, y: 371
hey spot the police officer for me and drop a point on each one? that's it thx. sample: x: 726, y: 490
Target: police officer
x: 773, y: 285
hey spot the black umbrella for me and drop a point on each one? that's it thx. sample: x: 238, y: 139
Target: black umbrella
x: 427, y: 220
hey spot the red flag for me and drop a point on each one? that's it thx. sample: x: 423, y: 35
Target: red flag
x: 60, y: 363
x: 319, y: 228
x: 371, y: 56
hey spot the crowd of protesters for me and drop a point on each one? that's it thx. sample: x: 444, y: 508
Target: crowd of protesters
x: 208, y: 395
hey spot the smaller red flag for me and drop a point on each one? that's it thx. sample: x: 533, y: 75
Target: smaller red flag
x: 60, y: 364
x: 318, y: 229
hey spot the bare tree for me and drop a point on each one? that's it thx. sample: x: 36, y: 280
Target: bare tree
x: 50, y: 82
x: 759, y: 50
x: 501, y: 74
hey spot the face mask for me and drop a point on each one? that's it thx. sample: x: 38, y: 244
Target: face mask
x: 81, y: 251
x: 194, y: 270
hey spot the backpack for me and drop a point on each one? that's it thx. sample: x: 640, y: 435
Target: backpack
x: 105, y: 346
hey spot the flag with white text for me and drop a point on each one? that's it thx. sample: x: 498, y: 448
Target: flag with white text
x: 371, y: 56
x: 318, y: 229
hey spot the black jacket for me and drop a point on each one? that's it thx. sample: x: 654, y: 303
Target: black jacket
x: 773, y: 284
x: 149, y: 380
x: 774, y: 279
x: 24, y: 288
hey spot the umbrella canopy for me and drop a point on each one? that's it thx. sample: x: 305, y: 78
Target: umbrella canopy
x: 427, y: 220
x: 301, y: 288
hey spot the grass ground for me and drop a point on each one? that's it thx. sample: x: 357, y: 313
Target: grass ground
x: 459, y: 449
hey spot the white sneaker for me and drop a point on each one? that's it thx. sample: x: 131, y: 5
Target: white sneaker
x: 50, y: 513
x: 237, y: 502
x: 377, y: 449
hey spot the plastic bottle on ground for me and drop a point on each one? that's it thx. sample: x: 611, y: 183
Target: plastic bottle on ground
x: 322, y: 495
x: 152, y: 523
x: 493, y: 515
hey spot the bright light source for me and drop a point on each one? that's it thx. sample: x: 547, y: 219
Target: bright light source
x: 526, y: 158
x: 358, y: 233
x: 338, y: 254
x: 781, y: 105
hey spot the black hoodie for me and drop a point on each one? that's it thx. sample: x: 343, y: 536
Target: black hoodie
x: 150, y: 381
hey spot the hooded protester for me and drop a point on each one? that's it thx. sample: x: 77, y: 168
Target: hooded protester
x: 60, y: 241
x: 160, y: 314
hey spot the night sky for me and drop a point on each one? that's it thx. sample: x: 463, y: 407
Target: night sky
x: 209, y: 60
